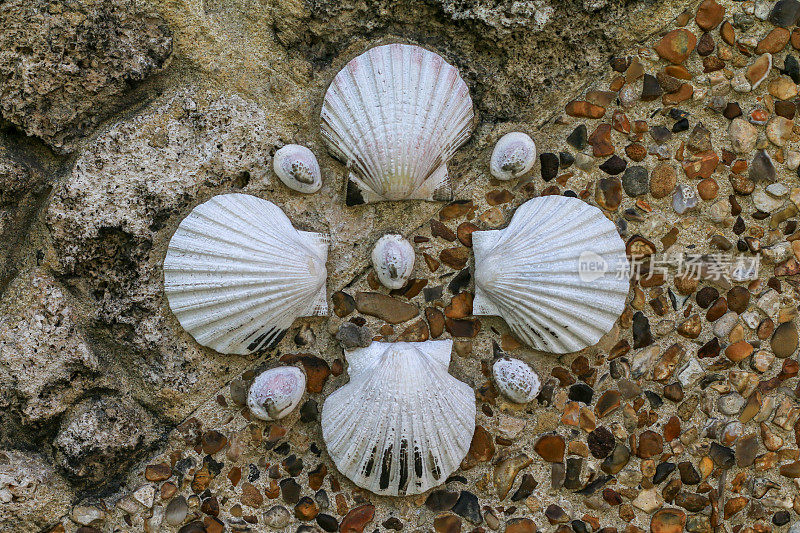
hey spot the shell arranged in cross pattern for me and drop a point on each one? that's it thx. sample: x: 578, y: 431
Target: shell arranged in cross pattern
x: 393, y: 260
x: 513, y: 155
x: 403, y: 423
x: 297, y: 167
x: 276, y: 392
x: 557, y: 274
x: 395, y: 115
x: 237, y: 274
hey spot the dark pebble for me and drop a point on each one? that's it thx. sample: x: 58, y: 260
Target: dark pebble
x: 393, y: 523
x: 327, y: 522
x: 689, y: 474
x: 441, y: 500
x: 459, y: 281
x: 651, y: 89
x: 309, y: 412
x: 722, y: 456
x: 549, y: 166
x: 526, y: 487
x: 566, y: 159
x: 791, y: 67
x: 468, y: 507
x: 617, y: 460
x: 785, y: 13
x: 706, y: 296
x: 613, y: 165
x: 581, y: 392
x: 681, y: 125
x: 641, y: 331
x: 663, y: 471
x: 293, y: 465
x: 577, y: 139
x: 732, y: 110
x: 290, y: 490
x: 654, y: 399
x: 601, y: 442
x: 781, y: 518
x: 572, y: 479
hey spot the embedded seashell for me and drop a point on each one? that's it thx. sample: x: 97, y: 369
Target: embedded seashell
x: 297, y: 168
x: 395, y: 115
x: 276, y: 392
x: 393, y: 260
x: 557, y: 274
x: 237, y: 274
x: 402, y: 424
x: 513, y: 155
x: 516, y: 380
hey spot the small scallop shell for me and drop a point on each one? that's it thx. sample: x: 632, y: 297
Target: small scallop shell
x: 516, y: 380
x: 297, y: 167
x: 393, y: 260
x: 276, y: 392
x: 513, y: 155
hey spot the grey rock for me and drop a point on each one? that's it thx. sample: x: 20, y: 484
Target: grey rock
x: 635, y: 181
x: 102, y: 437
x: 38, y: 495
x: 64, y: 66
x: 352, y: 336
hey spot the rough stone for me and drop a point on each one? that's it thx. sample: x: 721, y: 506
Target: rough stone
x: 65, y: 69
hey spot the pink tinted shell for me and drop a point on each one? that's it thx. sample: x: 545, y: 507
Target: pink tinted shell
x: 276, y: 392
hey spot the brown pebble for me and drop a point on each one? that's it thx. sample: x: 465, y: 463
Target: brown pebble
x: 774, y: 41
x: 343, y: 304
x: 520, y: 525
x: 551, y: 448
x: 455, y: 258
x: 650, y: 444
x: 676, y: 45
x: 608, y: 193
x: 456, y: 210
x: 464, y: 233
x: 663, y: 180
x: 581, y: 108
x: 385, y: 307
x: 709, y: 14
x: 357, y: 519
x: 157, y: 472
x: 668, y: 521
x: 738, y: 351
x: 435, y: 320
x: 708, y: 189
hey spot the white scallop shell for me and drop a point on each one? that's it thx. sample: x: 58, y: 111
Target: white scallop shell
x: 393, y: 260
x: 395, y: 115
x: 276, y: 392
x: 516, y: 380
x: 557, y: 274
x: 297, y: 168
x: 402, y: 424
x: 237, y: 274
x: 513, y: 155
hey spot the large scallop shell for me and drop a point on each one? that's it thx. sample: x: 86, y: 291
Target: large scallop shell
x: 402, y: 424
x: 557, y: 274
x: 237, y: 274
x: 395, y: 115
